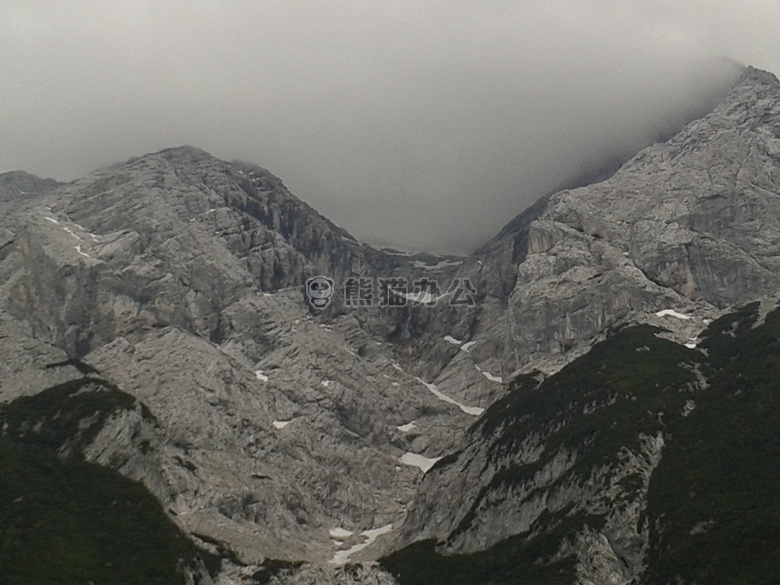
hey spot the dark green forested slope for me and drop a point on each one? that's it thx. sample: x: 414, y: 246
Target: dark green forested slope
x: 713, y: 502
x: 66, y: 521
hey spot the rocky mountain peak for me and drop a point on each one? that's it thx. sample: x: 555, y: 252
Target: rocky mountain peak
x: 279, y: 430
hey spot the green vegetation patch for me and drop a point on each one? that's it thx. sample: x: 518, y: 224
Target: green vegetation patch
x: 74, y: 522
x: 632, y: 383
x: 714, y: 500
x: 64, y: 520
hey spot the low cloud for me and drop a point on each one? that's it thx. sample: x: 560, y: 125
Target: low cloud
x: 415, y: 124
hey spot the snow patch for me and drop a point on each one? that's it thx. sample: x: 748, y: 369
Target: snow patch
x: 51, y: 219
x: 407, y: 427
x: 468, y: 345
x: 261, y: 376
x: 492, y: 378
x: 342, y: 556
x: 396, y: 384
x: 672, y: 313
x: 489, y: 376
x: 280, y: 424
x: 70, y: 231
x: 340, y: 533
x: 452, y: 340
x: 78, y: 249
x: 325, y: 383
x: 472, y: 410
x: 421, y: 461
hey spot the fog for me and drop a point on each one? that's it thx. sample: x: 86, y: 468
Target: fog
x: 417, y: 124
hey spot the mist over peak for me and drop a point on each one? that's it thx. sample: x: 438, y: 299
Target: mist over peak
x: 417, y: 126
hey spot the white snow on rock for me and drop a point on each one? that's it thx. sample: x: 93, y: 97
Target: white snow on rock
x: 691, y: 345
x: 397, y: 367
x: 688, y: 408
x: 340, y: 533
x: 51, y: 219
x: 261, y: 376
x: 489, y: 376
x: 78, y: 249
x: 466, y: 346
x: 325, y: 383
x: 70, y: 231
x: 672, y: 313
x: 421, y: 461
x: 472, y: 410
x: 407, y: 427
x: 452, y: 340
x: 492, y: 378
x: 280, y: 424
x: 342, y: 556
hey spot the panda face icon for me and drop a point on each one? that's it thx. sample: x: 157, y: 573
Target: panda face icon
x: 319, y: 289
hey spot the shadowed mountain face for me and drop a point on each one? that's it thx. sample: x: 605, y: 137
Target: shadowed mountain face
x: 641, y: 462
x: 292, y: 433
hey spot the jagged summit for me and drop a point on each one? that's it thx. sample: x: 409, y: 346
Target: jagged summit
x: 25, y: 183
x: 19, y: 187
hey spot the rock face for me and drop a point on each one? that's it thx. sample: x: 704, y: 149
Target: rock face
x: 689, y: 224
x: 18, y: 187
x: 292, y: 433
x: 684, y: 230
x: 616, y: 469
x: 179, y: 277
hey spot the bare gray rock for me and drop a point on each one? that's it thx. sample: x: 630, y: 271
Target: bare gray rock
x: 181, y: 278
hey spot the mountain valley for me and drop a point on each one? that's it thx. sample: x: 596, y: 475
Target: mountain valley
x: 601, y: 409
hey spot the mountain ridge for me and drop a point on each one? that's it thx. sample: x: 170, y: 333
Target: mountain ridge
x: 180, y: 278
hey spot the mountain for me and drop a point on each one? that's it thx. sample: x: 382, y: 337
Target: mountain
x: 681, y: 232
x: 509, y: 432
x: 642, y: 461
x: 17, y: 186
x: 178, y: 277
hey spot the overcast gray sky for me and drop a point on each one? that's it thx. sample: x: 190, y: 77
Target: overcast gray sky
x: 423, y: 124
